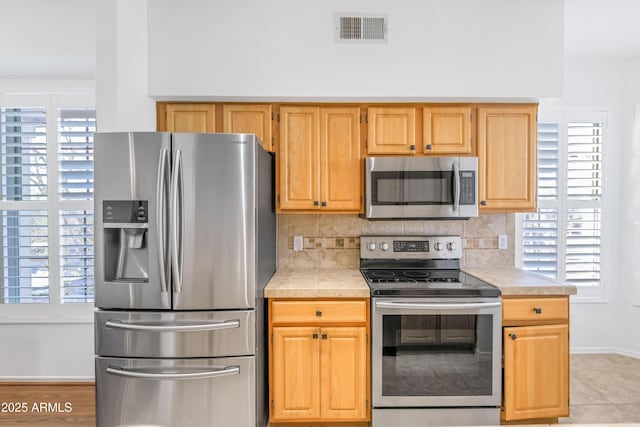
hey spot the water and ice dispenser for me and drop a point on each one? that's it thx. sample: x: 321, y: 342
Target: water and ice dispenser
x: 126, y: 233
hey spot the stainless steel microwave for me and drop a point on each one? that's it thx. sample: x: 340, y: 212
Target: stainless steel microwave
x: 421, y: 187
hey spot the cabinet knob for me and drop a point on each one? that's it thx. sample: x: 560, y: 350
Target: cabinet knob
x: 428, y: 147
x: 315, y: 335
x: 412, y: 147
x: 318, y: 313
x: 324, y: 203
x: 537, y: 310
x: 324, y: 336
x: 483, y: 203
x: 513, y: 337
x: 315, y: 203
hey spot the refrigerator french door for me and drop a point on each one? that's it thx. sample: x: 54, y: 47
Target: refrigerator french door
x: 177, y: 212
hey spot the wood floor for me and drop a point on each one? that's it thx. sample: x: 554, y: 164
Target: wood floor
x: 47, y: 404
x: 605, y: 389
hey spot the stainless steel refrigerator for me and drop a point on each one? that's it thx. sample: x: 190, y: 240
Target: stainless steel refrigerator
x: 185, y: 243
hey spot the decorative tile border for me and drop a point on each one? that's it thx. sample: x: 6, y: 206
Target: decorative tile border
x: 319, y: 242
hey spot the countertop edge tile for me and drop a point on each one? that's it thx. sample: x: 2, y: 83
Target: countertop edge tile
x: 518, y: 282
x: 317, y: 283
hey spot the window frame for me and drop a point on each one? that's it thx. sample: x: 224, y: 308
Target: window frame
x: 54, y: 311
x: 563, y: 116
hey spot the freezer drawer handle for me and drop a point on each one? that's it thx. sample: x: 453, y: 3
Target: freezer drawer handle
x: 221, y: 372
x: 227, y: 324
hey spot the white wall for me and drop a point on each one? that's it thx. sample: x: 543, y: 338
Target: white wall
x: 123, y: 103
x: 285, y: 49
x: 47, y: 39
x: 609, y: 325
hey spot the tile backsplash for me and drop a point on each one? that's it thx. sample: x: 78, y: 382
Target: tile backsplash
x: 333, y: 241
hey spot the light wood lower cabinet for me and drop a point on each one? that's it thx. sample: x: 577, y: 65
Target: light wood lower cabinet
x: 320, y: 371
x: 536, y: 358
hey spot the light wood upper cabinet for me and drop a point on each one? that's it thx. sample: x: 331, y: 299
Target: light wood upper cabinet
x: 446, y: 130
x: 340, y: 159
x: 536, y: 372
x: 200, y: 118
x: 320, y: 162
x: 295, y: 377
x: 391, y: 130
x: 507, y: 158
x: 248, y: 118
x: 298, y: 164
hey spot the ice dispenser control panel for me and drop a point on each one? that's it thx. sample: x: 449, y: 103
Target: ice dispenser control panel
x: 125, y: 211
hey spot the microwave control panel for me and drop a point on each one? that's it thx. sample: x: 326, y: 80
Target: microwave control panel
x: 467, y: 188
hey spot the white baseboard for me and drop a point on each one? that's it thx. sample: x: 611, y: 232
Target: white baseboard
x: 44, y: 379
x: 605, y: 350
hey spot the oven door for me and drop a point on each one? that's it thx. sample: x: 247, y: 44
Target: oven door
x: 434, y: 187
x: 436, y: 352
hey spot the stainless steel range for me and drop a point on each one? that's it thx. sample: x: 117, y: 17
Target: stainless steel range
x: 436, y: 341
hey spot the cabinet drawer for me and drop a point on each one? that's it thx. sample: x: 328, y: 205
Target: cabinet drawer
x: 523, y: 309
x: 318, y: 311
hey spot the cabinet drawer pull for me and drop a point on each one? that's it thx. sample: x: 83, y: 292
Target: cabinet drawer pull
x: 315, y: 335
x: 428, y: 146
x: 412, y: 147
x: 324, y: 336
x: 315, y: 203
x: 318, y: 313
x: 513, y: 337
x: 483, y: 203
x: 537, y: 310
x: 324, y: 203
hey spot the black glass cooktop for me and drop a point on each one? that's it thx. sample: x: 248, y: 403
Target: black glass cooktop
x: 417, y: 282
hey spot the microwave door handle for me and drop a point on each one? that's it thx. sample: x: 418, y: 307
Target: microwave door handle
x: 456, y: 187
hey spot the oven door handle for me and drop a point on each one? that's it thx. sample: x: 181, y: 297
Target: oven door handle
x: 435, y: 306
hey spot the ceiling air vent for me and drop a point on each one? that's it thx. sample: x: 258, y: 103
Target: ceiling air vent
x: 361, y: 28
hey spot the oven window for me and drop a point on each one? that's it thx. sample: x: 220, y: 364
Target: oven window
x: 437, y: 355
x: 412, y: 188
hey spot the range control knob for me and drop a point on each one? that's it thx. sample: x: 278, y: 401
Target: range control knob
x: 384, y: 246
x: 451, y: 246
x: 371, y: 246
x: 437, y: 246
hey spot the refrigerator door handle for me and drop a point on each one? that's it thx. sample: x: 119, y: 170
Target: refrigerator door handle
x: 177, y: 219
x: 147, y: 375
x: 161, y: 209
x: 196, y: 327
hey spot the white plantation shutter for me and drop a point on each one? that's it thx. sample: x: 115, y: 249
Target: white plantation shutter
x: 563, y: 239
x: 41, y: 144
x: 24, y: 153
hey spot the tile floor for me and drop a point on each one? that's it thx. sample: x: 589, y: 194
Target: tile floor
x: 605, y: 388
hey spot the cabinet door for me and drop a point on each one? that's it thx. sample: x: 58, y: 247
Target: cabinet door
x: 296, y: 373
x: 198, y: 118
x: 391, y: 130
x: 298, y: 160
x: 507, y: 159
x: 343, y: 361
x: 446, y: 130
x: 340, y: 159
x: 458, y: 329
x: 536, y: 372
x: 418, y: 330
x: 249, y: 119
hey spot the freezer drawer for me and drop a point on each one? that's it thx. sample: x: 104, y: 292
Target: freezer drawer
x: 217, y: 392
x: 175, y: 334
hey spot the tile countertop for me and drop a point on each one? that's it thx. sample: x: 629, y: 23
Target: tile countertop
x: 317, y: 283
x: 516, y: 282
x: 349, y: 283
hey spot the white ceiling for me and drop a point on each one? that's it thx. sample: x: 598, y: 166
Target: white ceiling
x: 602, y: 29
